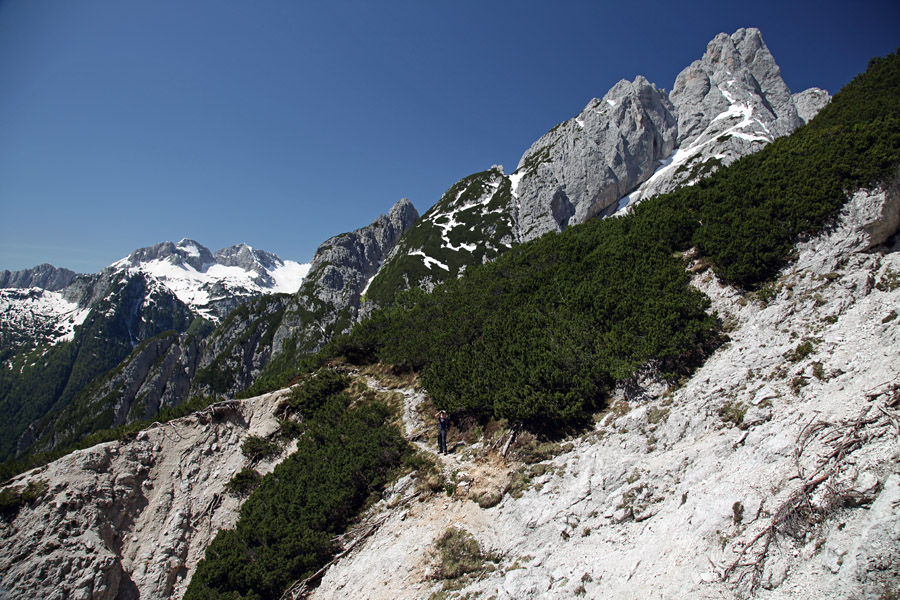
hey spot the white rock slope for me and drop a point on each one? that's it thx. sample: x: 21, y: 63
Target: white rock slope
x: 131, y: 519
x: 670, y: 498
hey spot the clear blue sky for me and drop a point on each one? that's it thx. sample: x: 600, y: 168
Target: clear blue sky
x: 280, y: 123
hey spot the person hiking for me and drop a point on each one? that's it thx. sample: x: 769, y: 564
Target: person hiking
x: 443, y: 425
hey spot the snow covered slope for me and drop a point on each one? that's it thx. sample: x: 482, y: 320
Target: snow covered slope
x: 210, y: 284
x: 33, y: 315
x: 206, y: 281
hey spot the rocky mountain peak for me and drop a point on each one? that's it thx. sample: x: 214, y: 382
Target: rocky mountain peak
x: 329, y: 299
x: 402, y: 214
x: 44, y: 276
x: 247, y: 258
x: 735, y: 70
x: 259, y: 262
x: 810, y: 102
x: 728, y: 104
x: 186, y: 252
x: 584, y: 165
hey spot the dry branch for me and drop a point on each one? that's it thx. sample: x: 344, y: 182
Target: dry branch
x: 798, y: 513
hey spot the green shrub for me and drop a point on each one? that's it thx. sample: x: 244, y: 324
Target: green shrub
x: 243, y: 482
x: 315, y: 389
x: 257, y: 447
x: 12, y: 499
x: 287, y: 526
x: 803, y: 349
x: 733, y: 413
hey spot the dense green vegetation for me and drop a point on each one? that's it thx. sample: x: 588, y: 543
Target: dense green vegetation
x: 346, y: 451
x: 544, y: 331
x: 541, y: 333
x: 479, y: 205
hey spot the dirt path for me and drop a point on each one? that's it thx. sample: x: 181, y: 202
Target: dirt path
x: 421, y: 434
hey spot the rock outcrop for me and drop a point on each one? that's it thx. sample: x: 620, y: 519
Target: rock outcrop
x: 584, y: 165
x: 329, y: 299
x: 131, y: 519
x: 810, y: 102
x: 45, y: 276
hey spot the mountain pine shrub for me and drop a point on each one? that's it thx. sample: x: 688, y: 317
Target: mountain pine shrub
x: 542, y: 333
x: 347, y: 451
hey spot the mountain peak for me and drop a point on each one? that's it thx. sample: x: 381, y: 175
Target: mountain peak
x: 186, y: 252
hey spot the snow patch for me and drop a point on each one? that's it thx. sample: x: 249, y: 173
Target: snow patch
x: 288, y: 276
x: 189, y: 248
x: 429, y: 261
x: 514, y: 180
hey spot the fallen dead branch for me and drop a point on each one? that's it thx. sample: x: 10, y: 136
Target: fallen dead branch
x: 817, y: 496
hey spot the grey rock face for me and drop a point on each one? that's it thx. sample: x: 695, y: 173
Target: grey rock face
x: 329, y: 298
x: 634, y: 143
x: 810, y: 102
x: 250, y: 259
x: 735, y: 70
x: 157, y: 374
x: 588, y: 163
x: 730, y: 103
x: 235, y: 353
x: 43, y: 276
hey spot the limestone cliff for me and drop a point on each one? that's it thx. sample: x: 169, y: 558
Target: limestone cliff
x: 131, y: 519
x: 329, y: 299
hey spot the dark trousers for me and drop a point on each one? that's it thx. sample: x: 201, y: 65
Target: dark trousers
x: 442, y: 440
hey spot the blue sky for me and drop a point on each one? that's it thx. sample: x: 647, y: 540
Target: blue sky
x: 280, y: 123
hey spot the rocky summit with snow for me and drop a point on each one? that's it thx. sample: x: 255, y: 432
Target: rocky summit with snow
x: 214, y: 284
x: 266, y: 429
x: 63, y: 330
x: 44, y: 304
x: 635, y: 142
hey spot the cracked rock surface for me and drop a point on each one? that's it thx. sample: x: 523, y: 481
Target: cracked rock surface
x: 131, y: 519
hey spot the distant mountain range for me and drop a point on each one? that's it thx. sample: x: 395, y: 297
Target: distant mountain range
x: 44, y: 304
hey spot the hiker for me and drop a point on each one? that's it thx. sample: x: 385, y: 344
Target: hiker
x: 443, y: 425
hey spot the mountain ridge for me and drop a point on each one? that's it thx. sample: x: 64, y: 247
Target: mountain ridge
x: 633, y: 143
